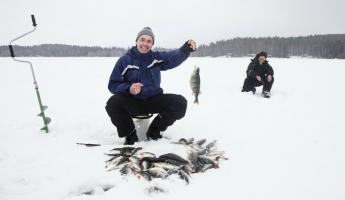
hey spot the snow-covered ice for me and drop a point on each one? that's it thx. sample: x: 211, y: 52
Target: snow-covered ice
x: 291, y: 146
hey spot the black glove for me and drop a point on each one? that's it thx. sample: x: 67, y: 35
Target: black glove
x: 186, y: 48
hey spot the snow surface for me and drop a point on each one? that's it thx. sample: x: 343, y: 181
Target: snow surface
x: 291, y: 146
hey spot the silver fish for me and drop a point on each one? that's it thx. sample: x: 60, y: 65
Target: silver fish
x: 196, y: 147
x: 127, y: 151
x: 216, y: 153
x: 142, y: 155
x: 211, y: 145
x: 174, y: 159
x: 193, y: 157
x: 165, y: 166
x: 143, y: 175
x: 190, y: 141
x: 134, y: 159
x: 157, y: 172
x: 113, y: 154
x: 113, y: 158
x: 182, y: 174
x: 117, y: 163
x: 217, y: 157
x: 113, y: 162
x: 154, y: 189
x: 201, y: 157
x: 182, y: 141
x: 187, y: 168
x: 134, y: 166
x: 208, y: 160
x: 123, y: 149
x: 203, y: 151
x: 206, y: 167
x: 200, y: 142
x: 125, y: 170
x: 144, y: 165
x: 195, y: 83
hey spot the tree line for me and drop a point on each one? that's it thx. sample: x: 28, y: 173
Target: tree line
x: 61, y: 50
x: 318, y: 46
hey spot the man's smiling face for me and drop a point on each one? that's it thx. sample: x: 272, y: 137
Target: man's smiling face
x: 144, y: 44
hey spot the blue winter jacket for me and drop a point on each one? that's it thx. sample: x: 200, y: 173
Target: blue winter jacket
x: 146, y: 68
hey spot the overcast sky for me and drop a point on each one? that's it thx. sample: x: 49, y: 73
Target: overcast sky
x: 116, y: 23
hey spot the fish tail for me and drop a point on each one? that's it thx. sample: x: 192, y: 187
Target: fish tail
x: 196, y: 100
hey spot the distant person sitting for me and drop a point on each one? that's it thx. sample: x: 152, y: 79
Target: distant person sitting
x: 259, y: 73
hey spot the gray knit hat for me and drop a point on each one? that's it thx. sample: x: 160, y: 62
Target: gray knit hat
x: 146, y: 31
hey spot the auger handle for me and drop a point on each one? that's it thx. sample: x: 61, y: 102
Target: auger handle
x: 11, y: 51
x: 33, y: 20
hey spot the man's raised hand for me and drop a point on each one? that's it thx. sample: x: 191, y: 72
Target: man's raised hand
x: 189, y: 46
x: 192, y: 44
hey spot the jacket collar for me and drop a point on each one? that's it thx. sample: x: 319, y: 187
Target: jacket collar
x: 257, y: 61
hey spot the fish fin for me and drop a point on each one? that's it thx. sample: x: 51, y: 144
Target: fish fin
x: 196, y: 100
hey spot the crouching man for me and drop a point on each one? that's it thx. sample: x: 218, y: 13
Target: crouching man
x: 259, y: 73
x: 135, y: 84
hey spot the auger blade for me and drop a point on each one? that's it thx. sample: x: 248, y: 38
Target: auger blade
x: 45, y: 128
x: 44, y: 108
x: 47, y: 120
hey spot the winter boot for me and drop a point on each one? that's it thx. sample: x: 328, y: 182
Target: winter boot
x: 253, y: 90
x: 154, y: 131
x: 266, y: 94
x: 131, y: 138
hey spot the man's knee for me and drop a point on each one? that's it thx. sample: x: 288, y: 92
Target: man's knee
x: 179, y: 106
x: 114, y: 102
x: 269, y: 82
x: 249, y: 83
x: 272, y: 80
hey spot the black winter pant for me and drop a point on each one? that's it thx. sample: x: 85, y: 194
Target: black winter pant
x: 121, y: 108
x: 250, y: 83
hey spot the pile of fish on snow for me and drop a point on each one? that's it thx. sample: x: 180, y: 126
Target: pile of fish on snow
x: 202, y: 156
